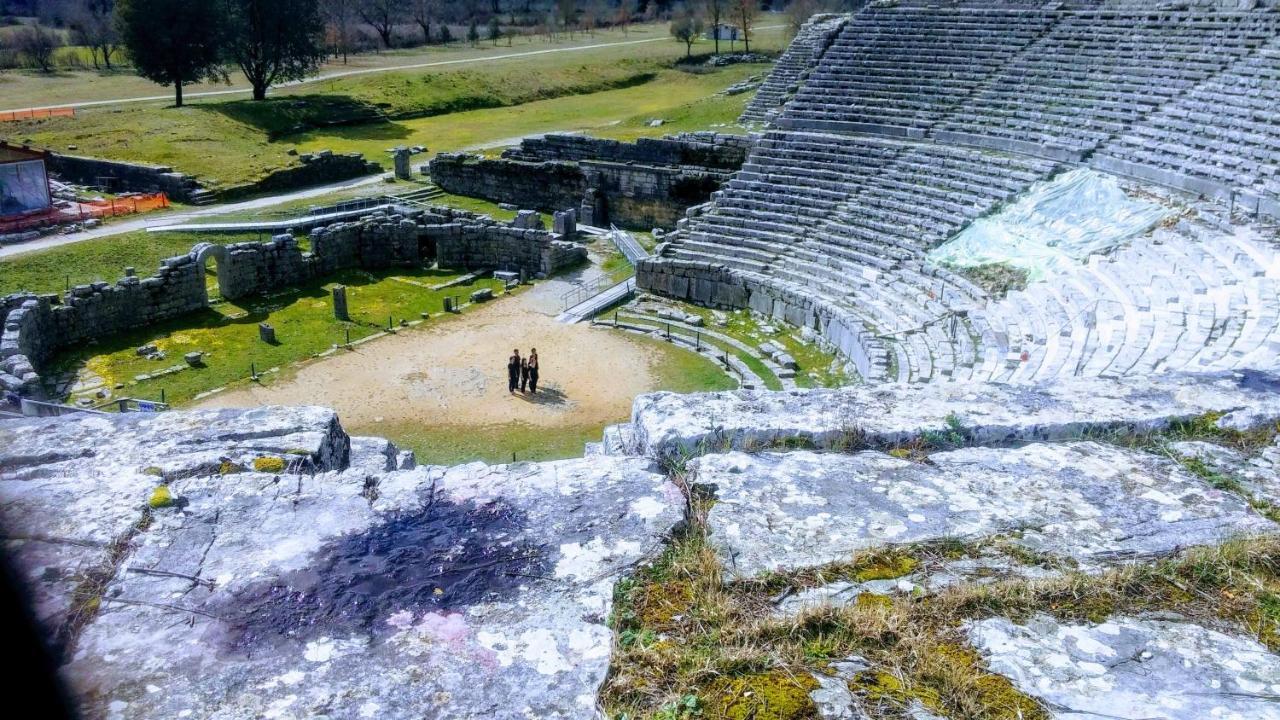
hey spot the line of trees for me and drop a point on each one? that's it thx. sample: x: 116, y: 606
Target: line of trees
x: 178, y: 42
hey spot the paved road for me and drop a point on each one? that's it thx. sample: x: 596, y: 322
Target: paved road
x: 142, y: 223
x: 363, y: 71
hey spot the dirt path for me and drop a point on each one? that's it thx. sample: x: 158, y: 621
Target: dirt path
x: 454, y: 373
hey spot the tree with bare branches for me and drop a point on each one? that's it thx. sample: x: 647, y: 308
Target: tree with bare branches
x: 746, y: 11
x: 37, y: 45
x: 93, y: 25
x: 382, y: 16
x: 340, y: 20
x: 686, y: 27
x: 423, y: 13
x: 715, y: 10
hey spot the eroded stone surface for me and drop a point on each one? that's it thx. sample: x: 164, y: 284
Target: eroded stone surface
x: 1133, y: 668
x: 1084, y: 501
x: 70, y: 487
x: 667, y: 424
x: 978, y: 570
x: 467, y: 592
x: 1258, y: 474
x: 470, y: 592
x: 174, y: 443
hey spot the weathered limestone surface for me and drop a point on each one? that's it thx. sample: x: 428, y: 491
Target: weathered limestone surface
x: 667, y: 424
x: 71, y: 487
x: 349, y: 590
x: 472, y: 592
x: 1258, y: 474
x: 1087, y: 502
x: 1133, y: 668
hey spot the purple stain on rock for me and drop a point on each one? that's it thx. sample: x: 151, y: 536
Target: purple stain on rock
x: 441, y: 558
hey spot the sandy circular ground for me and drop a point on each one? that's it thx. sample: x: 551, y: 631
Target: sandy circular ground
x: 454, y: 372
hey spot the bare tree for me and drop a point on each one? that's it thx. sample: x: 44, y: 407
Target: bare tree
x: 622, y: 18
x: 37, y: 45
x: 423, y: 12
x: 382, y: 16
x: 92, y: 24
x: 715, y: 12
x: 340, y: 20
x: 686, y: 27
x: 746, y: 11
x: 567, y: 14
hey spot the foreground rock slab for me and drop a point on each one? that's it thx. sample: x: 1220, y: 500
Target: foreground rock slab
x: 73, y: 488
x: 347, y: 591
x: 1086, y: 502
x: 464, y: 593
x: 668, y: 424
x: 1133, y: 668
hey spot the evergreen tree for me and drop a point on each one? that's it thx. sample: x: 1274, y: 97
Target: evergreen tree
x: 173, y: 42
x: 274, y: 40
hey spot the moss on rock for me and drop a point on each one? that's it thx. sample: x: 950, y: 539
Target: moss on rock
x: 765, y: 696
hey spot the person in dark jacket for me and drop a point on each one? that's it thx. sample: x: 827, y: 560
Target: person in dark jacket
x: 513, y: 371
x: 524, y: 375
x: 532, y: 364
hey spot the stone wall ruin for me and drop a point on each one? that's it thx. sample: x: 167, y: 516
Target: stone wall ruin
x: 36, y: 327
x: 641, y: 185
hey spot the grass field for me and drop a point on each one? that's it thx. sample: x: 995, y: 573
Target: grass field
x: 25, y: 88
x: 228, y: 332
x: 228, y: 142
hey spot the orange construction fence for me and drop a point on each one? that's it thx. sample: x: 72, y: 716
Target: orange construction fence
x: 31, y: 114
x: 80, y: 212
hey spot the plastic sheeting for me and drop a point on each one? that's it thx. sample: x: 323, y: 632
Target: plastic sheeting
x: 1064, y: 220
x: 24, y: 188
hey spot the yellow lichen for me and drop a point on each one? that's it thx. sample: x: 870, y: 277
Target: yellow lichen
x: 268, y: 464
x: 764, y: 696
x: 871, y: 600
x: 886, y: 568
x: 229, y: 468
x: 160, y: 498
x: 153, y: 470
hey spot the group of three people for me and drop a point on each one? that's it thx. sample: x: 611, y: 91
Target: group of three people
x: 522, y: 372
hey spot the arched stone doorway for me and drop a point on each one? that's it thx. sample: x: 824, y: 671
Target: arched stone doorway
x: 203, y: 252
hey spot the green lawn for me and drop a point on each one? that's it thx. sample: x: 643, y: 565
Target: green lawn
x: 232, y: 142
x: 228, y: 332
x: 815, y: 364
x: 26, y: 88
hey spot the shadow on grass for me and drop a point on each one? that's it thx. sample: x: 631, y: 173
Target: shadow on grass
x: 278, y: 116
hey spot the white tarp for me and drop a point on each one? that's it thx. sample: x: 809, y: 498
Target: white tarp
x: 1064, y: 220
x: 23, y: 187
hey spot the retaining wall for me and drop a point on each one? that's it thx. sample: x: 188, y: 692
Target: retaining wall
x: 713, y: 285
x: 641, y: 185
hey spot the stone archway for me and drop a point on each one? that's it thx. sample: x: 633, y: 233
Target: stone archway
x: 202, y: 253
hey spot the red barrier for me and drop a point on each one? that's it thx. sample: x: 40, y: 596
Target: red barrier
x: 79, y: 212
x: 31, y: 114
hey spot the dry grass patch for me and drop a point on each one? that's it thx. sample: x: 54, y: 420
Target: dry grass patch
x: 689, y: 644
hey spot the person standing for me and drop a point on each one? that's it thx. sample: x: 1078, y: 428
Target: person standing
x: 532, y: 363
x: 524, y: 375
x: 513, y: 371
